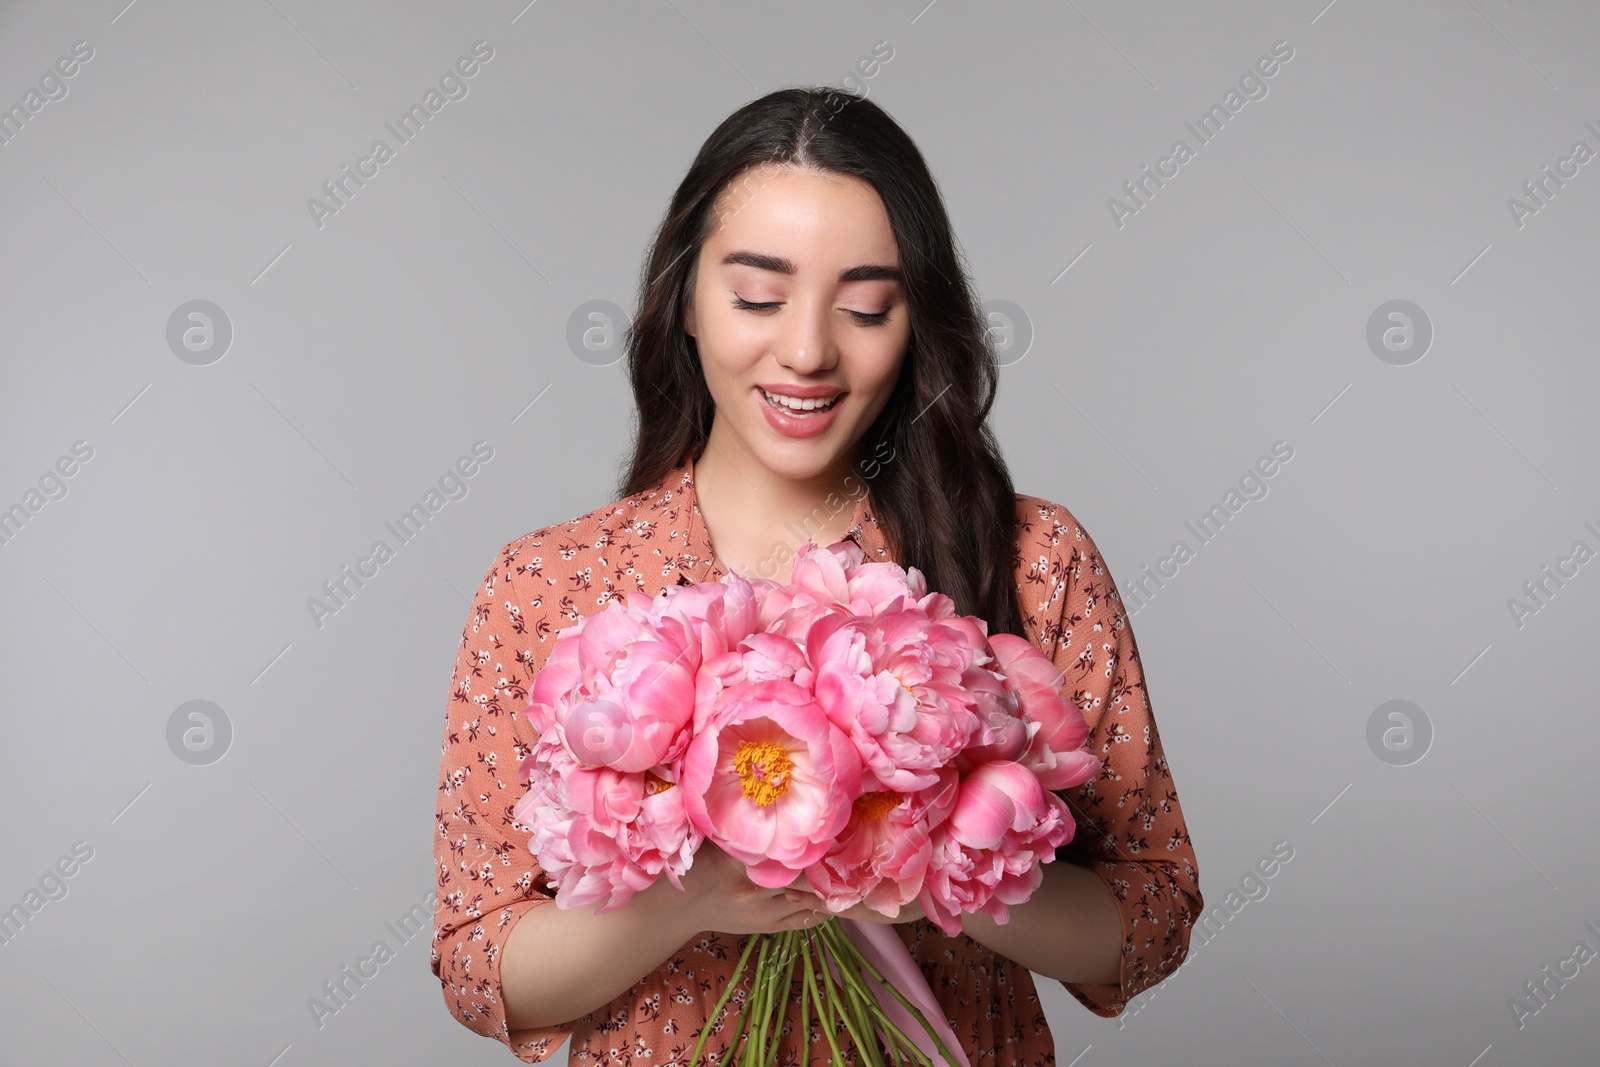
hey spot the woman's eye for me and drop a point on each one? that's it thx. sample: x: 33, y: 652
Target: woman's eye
x: 865, y: 318
x: 875, y: 318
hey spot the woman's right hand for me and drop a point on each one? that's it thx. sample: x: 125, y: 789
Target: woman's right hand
x: 719, y: 896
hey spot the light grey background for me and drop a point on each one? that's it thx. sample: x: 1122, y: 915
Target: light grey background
x: 1228, y: 313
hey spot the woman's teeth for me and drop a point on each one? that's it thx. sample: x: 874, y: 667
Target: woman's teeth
x: 801, y: 407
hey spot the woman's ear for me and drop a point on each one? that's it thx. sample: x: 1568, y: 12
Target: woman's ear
x: 688, y: 318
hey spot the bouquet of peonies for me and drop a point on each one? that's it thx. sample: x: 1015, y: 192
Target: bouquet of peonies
x: 847, y: 727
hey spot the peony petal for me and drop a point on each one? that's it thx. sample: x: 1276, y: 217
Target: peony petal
x: 982, y: 815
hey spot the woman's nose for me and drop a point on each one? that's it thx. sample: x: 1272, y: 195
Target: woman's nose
x: 806, y: 345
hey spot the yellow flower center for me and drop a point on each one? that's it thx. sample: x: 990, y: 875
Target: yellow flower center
x: 870, y: 807
x: 763, y: 768
x: 654, y: 784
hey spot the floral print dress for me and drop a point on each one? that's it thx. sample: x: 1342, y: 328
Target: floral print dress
x: 1130, y: 830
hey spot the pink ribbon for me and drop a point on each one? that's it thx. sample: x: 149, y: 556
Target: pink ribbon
x: 884, y: 950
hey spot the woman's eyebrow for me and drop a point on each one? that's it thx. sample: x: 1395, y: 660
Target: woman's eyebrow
x: 867, y: 272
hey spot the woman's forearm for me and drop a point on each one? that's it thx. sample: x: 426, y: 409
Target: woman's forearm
x: 1069, y: 930
x: 559, y: 964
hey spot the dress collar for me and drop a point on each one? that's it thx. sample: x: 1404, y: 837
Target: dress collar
x: 696, y: 560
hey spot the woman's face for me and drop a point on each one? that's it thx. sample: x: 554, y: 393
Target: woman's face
x: 815, y: 255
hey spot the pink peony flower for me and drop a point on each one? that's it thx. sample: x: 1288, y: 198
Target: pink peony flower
x: 881, y: 857
x: 894, y: 684
x: 849, y: 726
x: 620, y: 689
x: 1055, y: 751
x: 759, y: 658
x: 770, y: 779
x: 716, y: 615
x: 835, y: 578
x: 986, y: 855
x: 601, y: 835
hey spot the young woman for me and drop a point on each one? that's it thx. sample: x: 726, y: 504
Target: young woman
x: 808, y: 361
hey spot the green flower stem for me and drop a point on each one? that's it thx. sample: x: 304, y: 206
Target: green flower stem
x: 754, y: 1005
x: 843, y: 944
x: 912, y: 1008
x: 828, y: 989
x: 870, y: 1018
x: 868, y: 1049
x: 803, y: 943
x: 824, y: 1016
x: 841, y: 997
x: 856, y: 1011
x: 739, y: 1029
x: 749, y: 1017
x: 796, y: 940
x: 716, y: 1012
x: 868, y: 1014
x: 790, y: 943
x: 766, y: 1003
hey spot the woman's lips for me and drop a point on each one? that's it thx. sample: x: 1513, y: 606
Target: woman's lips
x: 797, y: 425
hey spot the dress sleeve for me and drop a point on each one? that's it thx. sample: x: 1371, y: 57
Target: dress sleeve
x: 1130, y: 827
x: 487, y: 878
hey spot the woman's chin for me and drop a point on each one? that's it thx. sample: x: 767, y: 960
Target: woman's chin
x: 798, y: 461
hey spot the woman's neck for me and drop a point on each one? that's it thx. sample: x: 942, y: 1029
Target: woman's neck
x: 757, y: 519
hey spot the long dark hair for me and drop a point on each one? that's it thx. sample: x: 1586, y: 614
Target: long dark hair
x: 944, y: 499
